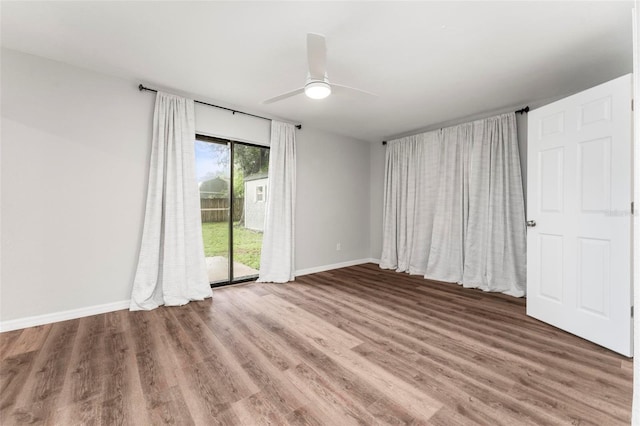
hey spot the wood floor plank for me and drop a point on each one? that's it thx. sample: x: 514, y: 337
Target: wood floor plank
x: 328, y: 402
x: 37, y: 399
x: 444, y: 383
x: 13, y: 375
x: 258, y: 366
x: 451, y: 353
x: 597, y: 397
x: 357, y: 345
x: 464, y: 359
x: 367, y: 373
x: 154, y: 361
x: 356, y: 385
x: 508, y: 344
x: 294, y: 316
x: 304, y: 417
x: 258, y: 409
x: 7, y: 341
x: 171, y: 409
x: 123, y: 393
x: 212, y: 385
x: 86, y: 360
x: 289, y: 316
x: 203, y: 394
x: 495, y: 329
x: 239, y: 322
x: 27, y: 340
x: 84, y: 412
x: 181, y: 344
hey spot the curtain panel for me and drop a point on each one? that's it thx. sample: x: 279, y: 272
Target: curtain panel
x: 454, y: 206
x: 171, y: 266
x: 277, y: 262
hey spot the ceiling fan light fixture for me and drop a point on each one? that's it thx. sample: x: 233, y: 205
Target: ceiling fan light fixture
x: 317, y: 89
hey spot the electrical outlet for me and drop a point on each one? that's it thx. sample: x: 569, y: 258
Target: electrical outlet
x: 338, y: 247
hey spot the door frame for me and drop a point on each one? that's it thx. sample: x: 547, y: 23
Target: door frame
x: 231, y: 143
x: 635, y: 223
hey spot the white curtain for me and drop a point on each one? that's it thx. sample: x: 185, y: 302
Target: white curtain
x: 277, y: 258
x: 171, y: 265
x: 454, y: 206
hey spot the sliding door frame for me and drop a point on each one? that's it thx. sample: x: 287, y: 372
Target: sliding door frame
x: 231, y: 144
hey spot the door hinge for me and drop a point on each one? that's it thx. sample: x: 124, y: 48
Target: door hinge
x: 631, y: 104
x: 632, y: 208
x: 632, y: 312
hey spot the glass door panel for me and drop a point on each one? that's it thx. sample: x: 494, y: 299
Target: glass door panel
x: 250, y: 186
x: 232, y: 206
x: 213, y: 173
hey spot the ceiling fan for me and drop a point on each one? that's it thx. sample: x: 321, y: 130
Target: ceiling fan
x: 318, y: 86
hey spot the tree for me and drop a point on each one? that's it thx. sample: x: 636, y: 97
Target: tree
x: 238, y: 182
x: 248, y: 160
x: 251, y: 159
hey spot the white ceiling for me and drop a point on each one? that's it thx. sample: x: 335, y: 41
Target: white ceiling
x: 429, y: 62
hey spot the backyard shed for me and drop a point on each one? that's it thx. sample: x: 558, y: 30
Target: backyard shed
x: 255, y: 200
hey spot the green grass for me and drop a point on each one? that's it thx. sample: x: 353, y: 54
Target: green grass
x: 246, y: 243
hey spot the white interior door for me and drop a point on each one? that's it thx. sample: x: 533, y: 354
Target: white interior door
x: 579, y: 195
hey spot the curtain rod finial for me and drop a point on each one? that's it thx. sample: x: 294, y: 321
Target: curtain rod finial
x: 140, y: 87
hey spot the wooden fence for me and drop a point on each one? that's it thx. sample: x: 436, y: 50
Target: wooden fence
x: 217, y: 209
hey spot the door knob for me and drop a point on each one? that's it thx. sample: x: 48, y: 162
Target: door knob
x: 531, y: 223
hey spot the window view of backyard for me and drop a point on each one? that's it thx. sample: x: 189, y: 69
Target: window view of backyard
x: 245, y: 197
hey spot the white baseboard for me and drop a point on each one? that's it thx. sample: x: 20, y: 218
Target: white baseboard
x: 36, y: 320
x: 323, y: 268
x: 33, y: 321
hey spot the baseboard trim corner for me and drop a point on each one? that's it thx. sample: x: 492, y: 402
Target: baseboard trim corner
x: 36, y: 320
x: 324, y: 268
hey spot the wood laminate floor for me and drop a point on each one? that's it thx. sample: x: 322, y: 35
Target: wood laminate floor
x: 351, y: 346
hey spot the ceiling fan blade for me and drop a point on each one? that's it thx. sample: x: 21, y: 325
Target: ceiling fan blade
x: 316, y: 56
x: 284, y: 96
x: 339, y: 88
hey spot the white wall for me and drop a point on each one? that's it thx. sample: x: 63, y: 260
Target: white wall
x: 74, y: 166
x: 224, y: 124
x: 332, y: 199
x: 376, y: 199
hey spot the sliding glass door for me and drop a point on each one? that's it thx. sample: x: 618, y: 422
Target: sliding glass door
x: 233, y: 179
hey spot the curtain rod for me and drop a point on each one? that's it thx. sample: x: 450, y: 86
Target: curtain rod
x: 141, y: 88
x: 520, y: 111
